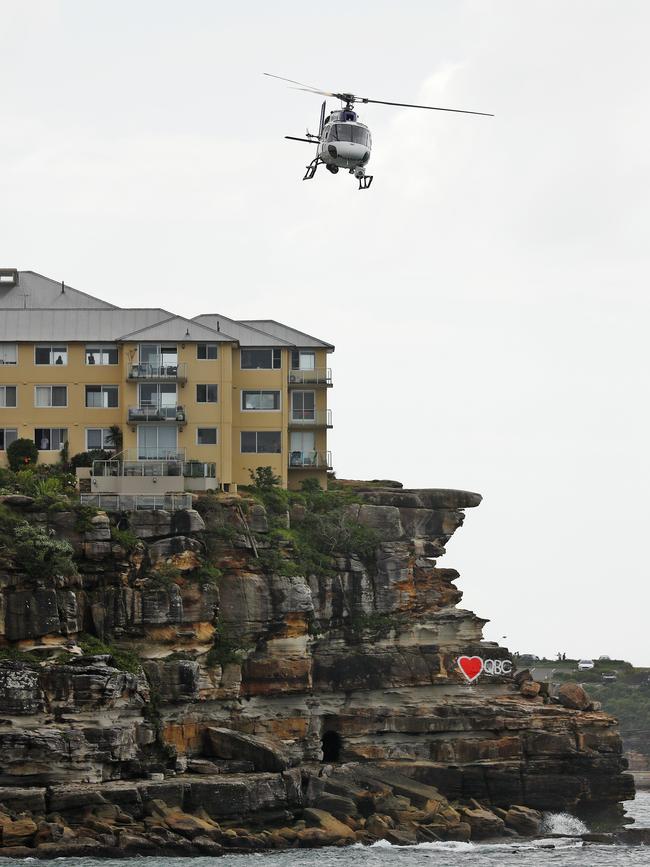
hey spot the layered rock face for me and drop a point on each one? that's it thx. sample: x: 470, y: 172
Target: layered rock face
x: 260, y: 693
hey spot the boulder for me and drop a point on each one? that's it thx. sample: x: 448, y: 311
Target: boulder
x: 326, y: 821
x: 257, y: 520
x: 483, y: 822
x: 19, y: 832
x: 530, y: 689
x: 523, y: 820
x: 573, y: 696
x: 228, y: 744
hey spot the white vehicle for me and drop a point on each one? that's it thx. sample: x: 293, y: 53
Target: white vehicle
x: 342, y: 141
x: 585, y: 664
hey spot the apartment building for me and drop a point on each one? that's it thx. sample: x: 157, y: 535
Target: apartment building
x: 198, y: 402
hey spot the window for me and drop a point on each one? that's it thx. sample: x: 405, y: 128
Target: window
x: 206, y: 351
x: 101, y: 396
x: 206, y: 393
x: 303, y: 406
x: 303, y: 360
x: 157, y: 443
x: 8, y: 353
x: 350, y: 133
x: 260, y: 400
x: 7, y: 436
x: 261, y: 442
x: 101, y: 354
x: 50, y: 439
x: 206, y: 436
x: 51, y: 395
x: 99, y: 438
x: 260, y: 359
x: 161, y: 394
x: 7, y: 395
x: 158, y: 354
x: 50, y: 354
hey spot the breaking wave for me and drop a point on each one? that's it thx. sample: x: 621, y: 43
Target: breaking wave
x: 564, y: 824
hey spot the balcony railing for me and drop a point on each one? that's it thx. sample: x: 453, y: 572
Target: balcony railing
x: 151, y: 453
x: 134, y: 502
x: 155, y: 412
x: 169, y: 372
x: 310, y: 460
x: 315, y: 376
x: 149, y: 468
x: 311, y: 418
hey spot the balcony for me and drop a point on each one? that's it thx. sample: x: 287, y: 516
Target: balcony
x: 315, y: 376
x: 156, y: 413
x: 310, y: 460
x: 158, y: 372
x: 129, y: 473
x: 311, y: 418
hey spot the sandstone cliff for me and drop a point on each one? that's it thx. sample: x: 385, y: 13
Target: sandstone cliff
x: 206, y: 662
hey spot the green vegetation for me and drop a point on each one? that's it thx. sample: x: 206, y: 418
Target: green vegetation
x: 326, y: 527
x: 12, y: 654
x: 264, y: 479
x: 165, y: 574
x: 85, y: 459
x: 226, y: 647
x: 206, y: 575
x: 376, y: 624
x: 40, y: 554
x: 22, y: 453
x: 125, y: 538
x: 124, y: 660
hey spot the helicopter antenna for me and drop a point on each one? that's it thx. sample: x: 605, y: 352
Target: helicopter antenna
x: 349, y: 98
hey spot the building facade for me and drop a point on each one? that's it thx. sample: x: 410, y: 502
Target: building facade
x: 211, y: 398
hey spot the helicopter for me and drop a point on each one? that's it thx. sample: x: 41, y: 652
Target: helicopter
x: 342, y: 141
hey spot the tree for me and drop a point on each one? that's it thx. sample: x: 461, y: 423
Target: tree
x: 22, y: 453
x: 115, y: 438
x: 264, y: 479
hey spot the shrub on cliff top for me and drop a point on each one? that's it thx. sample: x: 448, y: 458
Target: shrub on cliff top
x: 40, y: 554
x: 22, y: 453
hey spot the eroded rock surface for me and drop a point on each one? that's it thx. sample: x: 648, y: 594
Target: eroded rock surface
x: 232, y: 681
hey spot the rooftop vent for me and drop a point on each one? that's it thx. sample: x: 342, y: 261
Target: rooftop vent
x: 8, y: 277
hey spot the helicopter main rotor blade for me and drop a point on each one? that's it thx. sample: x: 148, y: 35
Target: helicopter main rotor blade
x: 429, y: 107
x: 301, y: 86
x: 350, y: 97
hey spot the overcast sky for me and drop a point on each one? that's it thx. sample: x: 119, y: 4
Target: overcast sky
x: 488, y: 297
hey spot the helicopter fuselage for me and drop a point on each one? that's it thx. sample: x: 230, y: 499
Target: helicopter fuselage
x: 344, y: 141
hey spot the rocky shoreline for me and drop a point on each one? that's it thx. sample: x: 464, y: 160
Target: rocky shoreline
x: 302, y: 808
x: 268, y: 672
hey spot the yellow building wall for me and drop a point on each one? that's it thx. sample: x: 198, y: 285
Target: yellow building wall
x: 226, y: 415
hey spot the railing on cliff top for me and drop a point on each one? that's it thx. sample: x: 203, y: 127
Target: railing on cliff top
x: 188, y: 469
x: 136, y: 502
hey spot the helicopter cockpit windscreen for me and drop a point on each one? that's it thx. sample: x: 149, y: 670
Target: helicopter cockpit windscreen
x: 348, y: 132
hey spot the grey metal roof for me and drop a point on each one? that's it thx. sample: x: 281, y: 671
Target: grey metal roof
x: 285, y: 332
x: 246, y: 335
x: 178, y: 328
x: 39, y: 308
x: 34, y: 291
x: 76, y: 324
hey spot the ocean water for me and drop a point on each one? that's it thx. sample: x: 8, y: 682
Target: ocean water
x: 562, y: 852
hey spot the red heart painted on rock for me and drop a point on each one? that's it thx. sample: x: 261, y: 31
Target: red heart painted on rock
x: 471, y: 666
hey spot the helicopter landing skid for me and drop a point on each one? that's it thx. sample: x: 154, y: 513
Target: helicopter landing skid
x: 311, y: 169
x: 365, y: 181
